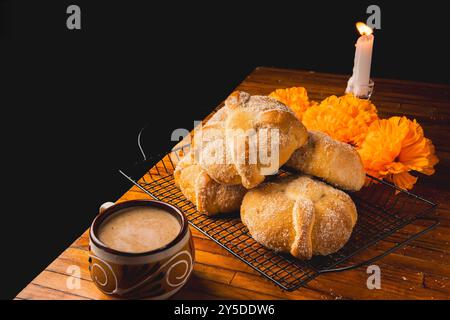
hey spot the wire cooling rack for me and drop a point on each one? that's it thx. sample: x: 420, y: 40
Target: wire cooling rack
x: 382, y: 209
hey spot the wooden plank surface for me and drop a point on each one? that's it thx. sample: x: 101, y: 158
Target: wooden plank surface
x: 420, y: 270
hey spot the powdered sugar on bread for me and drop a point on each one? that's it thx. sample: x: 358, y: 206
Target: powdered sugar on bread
x: 299, y: 215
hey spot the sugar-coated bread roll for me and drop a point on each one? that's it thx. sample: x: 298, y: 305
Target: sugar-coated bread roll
x: 206, y: 194
x: 235, y: 146
x: 335, y: 162
x: 299, y: 215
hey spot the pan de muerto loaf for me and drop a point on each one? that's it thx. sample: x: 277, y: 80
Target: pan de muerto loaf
x: 206, y: 194
x: 336, y: 162
x: 299, y: 215
x: 250, y: 137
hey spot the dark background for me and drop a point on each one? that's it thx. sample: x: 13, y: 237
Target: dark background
x: 73, y: 102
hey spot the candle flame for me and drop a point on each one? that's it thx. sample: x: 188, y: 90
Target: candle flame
x: 364, y: 29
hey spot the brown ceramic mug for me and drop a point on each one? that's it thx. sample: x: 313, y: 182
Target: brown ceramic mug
x: 156, y: 274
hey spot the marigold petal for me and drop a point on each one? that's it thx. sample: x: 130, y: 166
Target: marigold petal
x: 295, y: 98
x: 404, y: 180
x: 345, y: 118
x: 395, y: 146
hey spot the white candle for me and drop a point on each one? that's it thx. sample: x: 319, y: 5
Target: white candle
x: 358, y: 84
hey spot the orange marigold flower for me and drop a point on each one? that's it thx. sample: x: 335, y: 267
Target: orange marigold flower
x: 295, y: 98
x: 395, y: 146
x: 345, y: 118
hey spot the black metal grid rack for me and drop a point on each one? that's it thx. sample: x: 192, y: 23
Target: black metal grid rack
x: 382, y: 209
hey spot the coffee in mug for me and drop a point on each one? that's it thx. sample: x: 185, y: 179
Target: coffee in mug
x: 140, y: 249
x: 139, y: 229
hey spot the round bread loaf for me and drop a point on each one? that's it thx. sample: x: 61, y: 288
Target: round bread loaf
x: 336, y: 162
x: 206, y: 194
x: 299, y: 215
x: 250, y: 137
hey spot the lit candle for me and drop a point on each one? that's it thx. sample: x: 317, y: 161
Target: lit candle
x: 358, y: 84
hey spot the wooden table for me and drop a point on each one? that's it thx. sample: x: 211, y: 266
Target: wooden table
x: 420, y: 270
